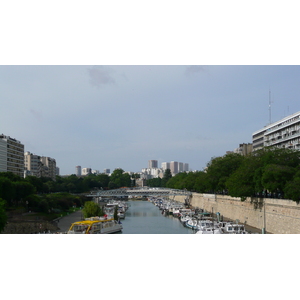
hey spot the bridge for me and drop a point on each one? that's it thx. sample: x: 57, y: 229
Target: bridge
x: 138, y: 192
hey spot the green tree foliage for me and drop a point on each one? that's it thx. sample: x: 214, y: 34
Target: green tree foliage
x: 6, y: 190
x: 119, y: 179
x: 220, y: 168
x: 154, y: 182
x: 116, y: 213
x: 3, y: 216
x: 292, y: 188
x: 275, y: 177
x: 91, y: 209
x: 167, y: 176
x: 22, y: 189
x: 265, y: 171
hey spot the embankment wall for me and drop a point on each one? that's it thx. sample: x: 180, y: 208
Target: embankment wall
x: 277, y: 216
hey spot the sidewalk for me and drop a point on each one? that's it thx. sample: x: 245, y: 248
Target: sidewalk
x: 64, y: 223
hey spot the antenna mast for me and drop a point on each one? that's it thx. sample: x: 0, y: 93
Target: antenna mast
x: 270, y: 119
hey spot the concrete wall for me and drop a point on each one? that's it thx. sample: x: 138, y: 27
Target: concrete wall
x: 275, y: 215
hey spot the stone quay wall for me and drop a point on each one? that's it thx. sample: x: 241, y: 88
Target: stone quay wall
x: 276, y: 216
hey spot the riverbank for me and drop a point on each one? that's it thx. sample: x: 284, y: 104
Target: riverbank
x: 29, y: 223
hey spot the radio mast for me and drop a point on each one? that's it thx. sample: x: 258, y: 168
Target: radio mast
x: 270, y: 113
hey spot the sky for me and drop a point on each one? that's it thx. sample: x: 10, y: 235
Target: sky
x: 107, y: 88
x: 121, y: 116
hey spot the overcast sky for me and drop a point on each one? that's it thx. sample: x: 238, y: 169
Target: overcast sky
x: 122, y: 116
x: 101, y: 87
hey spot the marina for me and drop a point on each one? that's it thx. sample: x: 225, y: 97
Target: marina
x: 152, y: 215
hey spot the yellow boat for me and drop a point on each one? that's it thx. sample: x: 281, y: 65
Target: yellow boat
x: 95, y: 225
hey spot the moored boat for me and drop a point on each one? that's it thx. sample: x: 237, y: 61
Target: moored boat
x: 95, y: 225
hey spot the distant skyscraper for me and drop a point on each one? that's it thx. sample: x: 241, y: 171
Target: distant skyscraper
x: 165, y: 165
x: 152, y: 164
x: 106, y: 171
x: 180, y: 167
x: 174, y: 167
x: 186, y: 167
x: 86, y: 171
x: 78, y: 170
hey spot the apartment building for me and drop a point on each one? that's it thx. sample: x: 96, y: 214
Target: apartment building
x: 11, y: 155
x: 244, y: 149
x: 49, y: 167
x: 174, y: 167
x: 152, y: 164
x: 86, y: 171
x: 33, y: 164
x: 78, y: 171
x: 284, y: 133
x: 165, y: 166
x: 39, y: 166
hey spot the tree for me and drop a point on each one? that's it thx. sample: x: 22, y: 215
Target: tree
x: 291, y: 189
x: 6, y: 190
x: 22, y: 189
x: 3, y: 216
x: 219, y: 170
x: 91, y: 209
x: 275, y: 177
x: 116, y: 213
x: 166, y: 177
x: 119, y: 179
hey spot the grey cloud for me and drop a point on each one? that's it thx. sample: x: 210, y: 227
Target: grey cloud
x: 100, y: 76
x: 191, y: 70
x: 36, y: 114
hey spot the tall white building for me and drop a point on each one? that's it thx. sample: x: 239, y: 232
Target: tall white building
x: 284, y: 133
x: 165, y: 165
x: 186, y: 167
x: 86, y: 171
x: 174, y: 167
x: 78, y: 171
x: 11, y: 155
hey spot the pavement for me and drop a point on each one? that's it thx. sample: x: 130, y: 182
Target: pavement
x: 64, y: 223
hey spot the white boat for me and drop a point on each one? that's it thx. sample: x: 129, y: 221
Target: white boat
x: 192, y: 223
x: 184, y: 218
x: 210, y: 230
x: 231, y: 228
x: 95, y: 225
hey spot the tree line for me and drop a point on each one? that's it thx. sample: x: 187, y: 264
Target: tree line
x: 44, y: 195
x: 269, y: 172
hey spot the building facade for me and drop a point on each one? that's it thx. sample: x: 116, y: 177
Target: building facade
x: 86, y: 171
x: 282, y: 134
x: 49, y: 167
x: 165, y: 166
x: 11, y: 155
x: 244, y: 149
x: 106, y: 171
x: 33, y: 164
x: 174, y: 167
x: 78, y: 171
x: 39, y: 166
x: 152, y: 164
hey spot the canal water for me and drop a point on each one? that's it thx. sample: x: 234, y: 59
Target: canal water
x: 143, y: 217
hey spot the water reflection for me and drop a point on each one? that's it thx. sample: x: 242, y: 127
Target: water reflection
x: 143, y: 217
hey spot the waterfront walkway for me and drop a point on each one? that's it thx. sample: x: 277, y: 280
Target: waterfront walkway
x: 64, y: 223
